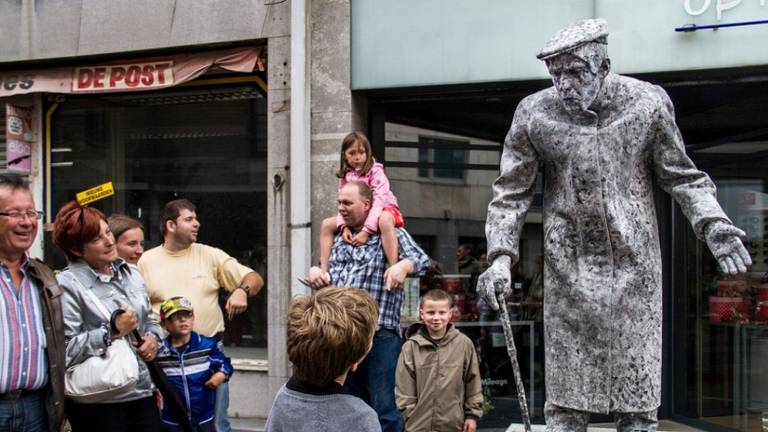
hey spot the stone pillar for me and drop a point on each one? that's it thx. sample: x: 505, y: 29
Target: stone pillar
x: 334, y: 110
x: 278, y: 200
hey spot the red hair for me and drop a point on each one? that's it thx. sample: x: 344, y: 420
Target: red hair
x: 74, y: 226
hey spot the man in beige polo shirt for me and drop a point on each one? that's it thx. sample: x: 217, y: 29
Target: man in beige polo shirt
x: 183, y: 267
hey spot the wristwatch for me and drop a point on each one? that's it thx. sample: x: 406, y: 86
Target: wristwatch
x: 245, y: 288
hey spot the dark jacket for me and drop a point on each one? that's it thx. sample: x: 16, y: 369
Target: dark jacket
x: 189, y: 370
x: 53, y: 323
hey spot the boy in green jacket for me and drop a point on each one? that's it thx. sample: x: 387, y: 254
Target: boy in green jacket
x: 437, y: 385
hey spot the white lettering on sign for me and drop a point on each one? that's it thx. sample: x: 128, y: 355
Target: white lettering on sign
x: 699, y: 7
x: 123, y: 77
x: 696, y: 12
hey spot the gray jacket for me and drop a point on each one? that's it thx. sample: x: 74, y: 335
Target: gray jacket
x: 84, y: 325
x: 602, y: 275
x: 293, y: 411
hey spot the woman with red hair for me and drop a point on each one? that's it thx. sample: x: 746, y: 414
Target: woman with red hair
x: 83, y: 235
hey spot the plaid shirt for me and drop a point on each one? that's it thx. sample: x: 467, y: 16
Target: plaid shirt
x: 364, y: 266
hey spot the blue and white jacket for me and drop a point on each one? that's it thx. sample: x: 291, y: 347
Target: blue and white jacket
x: 189, y: 370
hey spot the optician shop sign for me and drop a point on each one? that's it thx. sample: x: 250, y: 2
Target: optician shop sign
x: 699, y: 7
x: 132, y: 75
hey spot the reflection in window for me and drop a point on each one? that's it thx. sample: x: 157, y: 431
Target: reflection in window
x: 727, y: 344
x: 434, y: 150
x: 206, y: 145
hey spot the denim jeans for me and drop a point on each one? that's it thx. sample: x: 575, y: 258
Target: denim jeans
x: 26, y: 414
x: 374, y: 380
x: 222, y: 406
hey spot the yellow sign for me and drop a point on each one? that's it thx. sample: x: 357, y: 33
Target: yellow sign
x: 95, y: 193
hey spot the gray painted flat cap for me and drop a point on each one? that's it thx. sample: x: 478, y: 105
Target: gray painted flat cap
x: 574, y: 36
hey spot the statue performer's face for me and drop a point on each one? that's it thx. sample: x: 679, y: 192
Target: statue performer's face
x: 576, y: 82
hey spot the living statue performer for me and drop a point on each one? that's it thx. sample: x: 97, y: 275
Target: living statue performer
x: 602, y: 139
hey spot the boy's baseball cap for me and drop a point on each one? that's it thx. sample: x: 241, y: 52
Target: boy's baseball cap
x: 173, y: 305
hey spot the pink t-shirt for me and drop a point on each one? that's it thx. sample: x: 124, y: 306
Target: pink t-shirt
x: 382, y: 196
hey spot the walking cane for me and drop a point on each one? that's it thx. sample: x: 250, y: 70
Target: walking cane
x: 512, y: 351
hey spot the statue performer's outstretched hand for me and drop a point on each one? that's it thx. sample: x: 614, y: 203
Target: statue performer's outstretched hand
x: 725, y: 242
x: 496, y: 280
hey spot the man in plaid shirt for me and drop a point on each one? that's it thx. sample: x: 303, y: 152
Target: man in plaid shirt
x: 366, y: 267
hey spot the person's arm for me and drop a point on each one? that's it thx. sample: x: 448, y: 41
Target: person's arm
x: 231, y: 274
x: 221, y: 366
x: 149, y: 326
x: 512, y: 196
x: 694, y: 191
x: 81, y: 344
x: 406, y: 393
x: 413, y: 261
x: 513, y: 189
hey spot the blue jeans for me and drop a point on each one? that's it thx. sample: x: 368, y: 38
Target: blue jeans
x: 26, y: 414
x: 374, y: 380
x: 222, y: 406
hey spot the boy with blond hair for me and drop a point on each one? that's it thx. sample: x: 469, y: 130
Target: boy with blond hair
x: 329, y: 333
x: 438, y: 384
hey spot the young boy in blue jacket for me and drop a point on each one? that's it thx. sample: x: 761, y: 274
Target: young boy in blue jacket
x: 194, y: 363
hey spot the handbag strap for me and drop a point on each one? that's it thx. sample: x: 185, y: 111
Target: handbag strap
x: 98, y: 303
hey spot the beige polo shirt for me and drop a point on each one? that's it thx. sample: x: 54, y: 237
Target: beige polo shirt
x: 195, y: 273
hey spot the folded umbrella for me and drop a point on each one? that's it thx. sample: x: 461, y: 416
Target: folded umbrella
x: 171, y: 397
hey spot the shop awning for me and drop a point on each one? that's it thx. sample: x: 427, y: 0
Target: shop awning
x: 129, y: 75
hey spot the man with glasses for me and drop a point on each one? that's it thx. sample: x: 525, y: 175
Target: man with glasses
x: 181, y: 267
x: 31, y: 324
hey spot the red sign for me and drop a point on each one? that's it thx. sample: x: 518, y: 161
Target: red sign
x: 129, y: 76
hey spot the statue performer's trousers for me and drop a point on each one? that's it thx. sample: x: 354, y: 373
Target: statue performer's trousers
x: 561, y: 419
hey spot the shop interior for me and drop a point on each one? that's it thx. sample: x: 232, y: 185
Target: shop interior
x: 206, y: 143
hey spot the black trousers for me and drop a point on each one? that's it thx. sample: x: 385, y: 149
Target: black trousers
x: 140, y: 415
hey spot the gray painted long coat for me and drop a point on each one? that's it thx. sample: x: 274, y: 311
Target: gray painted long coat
x: 602, y: 275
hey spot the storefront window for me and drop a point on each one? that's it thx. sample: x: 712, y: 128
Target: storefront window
x: 443, y: 185
x: 722, y: 342
x: 208, y: 145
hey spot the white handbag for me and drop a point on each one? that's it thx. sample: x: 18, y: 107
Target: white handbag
x: 102, y: 377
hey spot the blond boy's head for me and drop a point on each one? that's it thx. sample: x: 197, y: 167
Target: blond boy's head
x: 329, y: 331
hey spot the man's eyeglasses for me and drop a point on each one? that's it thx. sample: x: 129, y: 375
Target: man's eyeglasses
x: 19, y: 215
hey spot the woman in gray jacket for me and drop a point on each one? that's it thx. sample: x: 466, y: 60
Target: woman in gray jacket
x: 84, y: 236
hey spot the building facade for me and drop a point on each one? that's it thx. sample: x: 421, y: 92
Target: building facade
x: 263, y: 91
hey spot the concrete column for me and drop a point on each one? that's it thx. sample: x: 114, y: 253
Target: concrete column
x: 278, y: 237
x: 334, y: 110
